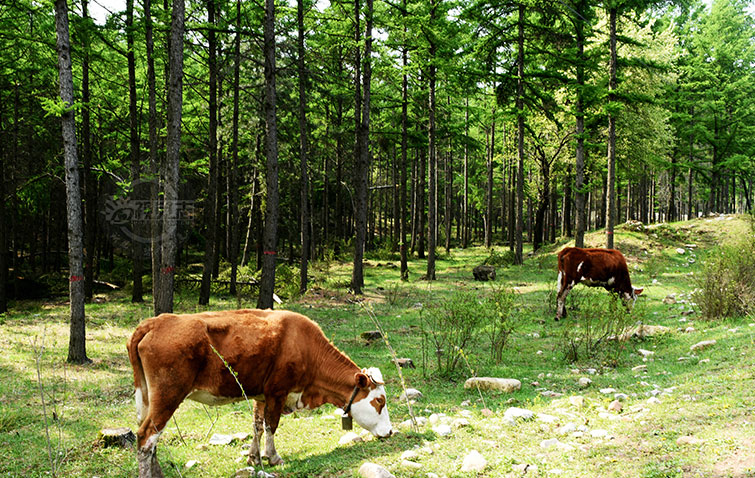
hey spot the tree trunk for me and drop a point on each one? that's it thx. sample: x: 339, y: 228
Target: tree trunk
x: 465, y: 203
x: 155, y: 226
x: 3, y: 227
x: 90, y: 184
x: 303, y: 151
x: 77, y: 339
x: 136, y: 223
x: 404, y: 152
x: 489, y: 193
x: 233, y: 253
x: 579, y: 237
x: 211, y: 238
x: 518, y: 258
x: 173, y: 156
x: 611, y: 178
x: 432, y: 164
x: 360, y: 171
x: 270, y: 240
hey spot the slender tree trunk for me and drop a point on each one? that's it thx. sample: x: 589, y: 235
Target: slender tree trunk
x: 518, y: 257
x: 404, y: 151
x: 211, y: 238
x: 233, y: 253
x: 173, y: 155
x: 432, y: 164
x: 3, y: 227
x: 448, y: 210
x: 136, y: 225
x: 671, y: 207
x: 270, y: 240
x: 362, y: 119
x: 77, y: 339
x: 579, y: 238
x: 566, y: 221
x: 90, y: 185
x: 155, y: 225
x: 303, y: 151
x: 465, y: 203
x: 489, y: 194
x: 611, y: 179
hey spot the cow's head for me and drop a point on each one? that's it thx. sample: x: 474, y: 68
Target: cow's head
x: 632, y: 297
x: 371, y: 411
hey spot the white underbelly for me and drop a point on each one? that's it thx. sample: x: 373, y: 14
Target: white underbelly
x: 203, y: 396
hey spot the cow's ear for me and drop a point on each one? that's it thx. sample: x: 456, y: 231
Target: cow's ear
x: 362, y: 380
x: 638, y: 291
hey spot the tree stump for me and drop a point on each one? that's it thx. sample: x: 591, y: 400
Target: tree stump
x: 484, y: 273
x: 117, y: 437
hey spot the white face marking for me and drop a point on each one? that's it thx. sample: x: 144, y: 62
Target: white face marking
x: 579, y: 267
x: 365, y: 414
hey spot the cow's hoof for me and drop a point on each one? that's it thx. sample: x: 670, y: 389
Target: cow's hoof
x: 254, y: 460
x: 275, y: 460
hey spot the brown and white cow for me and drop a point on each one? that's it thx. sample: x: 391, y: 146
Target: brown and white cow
x: 605, y: 268
x: 281, y: 359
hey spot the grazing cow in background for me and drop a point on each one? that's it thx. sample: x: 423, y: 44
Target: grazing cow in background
x: 595, y: 268
x: 280, y: 359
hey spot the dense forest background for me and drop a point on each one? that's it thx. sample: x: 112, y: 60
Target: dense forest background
x: 242, y: 135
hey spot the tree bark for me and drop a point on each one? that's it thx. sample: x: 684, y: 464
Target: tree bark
x: 155, y: 226
x: 465, y: 203
x: 211, y: 238
x: 233, y: 253
x: 579, y: 237
x: 404, y: 151
x: 77, y: 339
x: 518, y: 258
x: 611, y: 179
x: 432, y: 164
x: 3, y: 227
x: 136, y: 223
x: 489, y: 194
x: 90, y: 184
x: 173, y: 156
x: 270, y: 239
x: 303, y: 151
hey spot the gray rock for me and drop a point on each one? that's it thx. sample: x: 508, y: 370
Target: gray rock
x: 689, y: 440
x: 411, y: 394
x: 702, y: 345
x: 411, y: 464
x: 372, y: 335
x: 584, y: 382
x: 373, y: 470
x: 645, y: 353
x: 221, y: 439
x: 349, y: 437
x: 615, y: 406
x: 442, y: 430
x: 474, y: 461
x: 404, y: 362
x: 506, y: 385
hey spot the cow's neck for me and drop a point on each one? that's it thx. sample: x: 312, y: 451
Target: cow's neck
x: 334, y: 379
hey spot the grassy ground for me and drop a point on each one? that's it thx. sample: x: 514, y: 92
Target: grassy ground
x: 709, y: 395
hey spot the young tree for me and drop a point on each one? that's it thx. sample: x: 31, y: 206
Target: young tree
x: 77, y: 339
x: 303, y: 149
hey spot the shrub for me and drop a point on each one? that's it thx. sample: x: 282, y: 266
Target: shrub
x: 506, y: 318
x: 453, y: 326
x: 591, y: 330
x: 495, y: 258
x: 726, y: 287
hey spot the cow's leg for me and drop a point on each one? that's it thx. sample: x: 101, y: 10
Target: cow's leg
x: 563, y: 290
x: 259, y: 421
x: 149, y: 432
x: 273, y: 408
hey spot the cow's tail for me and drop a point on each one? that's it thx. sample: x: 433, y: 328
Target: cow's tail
x: 141, y: 386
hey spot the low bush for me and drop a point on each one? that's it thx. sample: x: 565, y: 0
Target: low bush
x: 495, y: 258
x: 506, y: 319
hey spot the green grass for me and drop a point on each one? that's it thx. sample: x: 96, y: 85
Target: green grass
x: 710, y: 395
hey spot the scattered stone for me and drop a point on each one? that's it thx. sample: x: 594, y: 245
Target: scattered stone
x: 555, y: 443
x: 670, y: 299
x: 591, y: 371
x: 680, y: 251
x: 484, y: 272
x: 639, y: 368
x: 466, y: 403
x: 421, y: 422
x: 373, y: 470
x: 411, y: 464
x: 704, y: 361
x: 653, y: 401
x: 250, y: 472
x: 615, y: 406
x: 702, y: 345
x: 584, y: 382
x: 465, y: 414
x: 689, y: 440
x: 434, y: 419
x: 642, y: 331
x: 514, y: 414
x: 404, y: 363
x: 551, y: 394
x: 460, y: 423
x: 474, y: 461
x: 372, y: 335
x: 599, y: 433
x: 545, y: 418
x: 411, y: 394
x: 566, y: 429
x: 622, y: 397
x: 607, y: 391
x: 190, y: 464
x: 442, y: 430
x: 349, y: 437
x: 409, y: 455
x: 688, y: 312
x: 506, y: 385
x: 221, y: 439
x: 689, y: 330
x: 117, y: 437
x: 577, y: 401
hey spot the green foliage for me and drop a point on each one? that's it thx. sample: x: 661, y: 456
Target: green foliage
x: 495, y: 258
x: 726, y: 287
x: 507, y: 318
x: 592, y: 329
